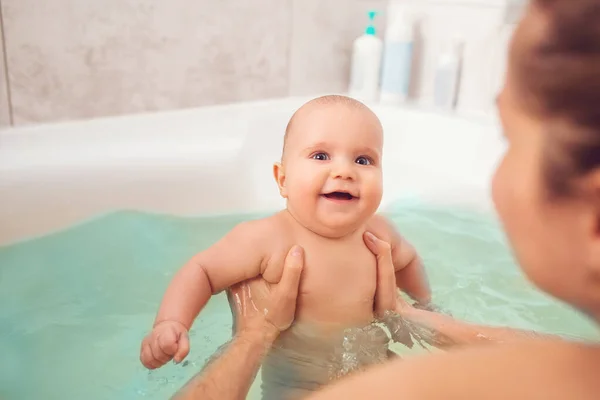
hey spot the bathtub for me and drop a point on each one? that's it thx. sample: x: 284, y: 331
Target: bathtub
x: 104, y: 200
x: 218, y: 160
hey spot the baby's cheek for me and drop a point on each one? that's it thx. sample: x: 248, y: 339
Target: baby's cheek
x: 301, y: 187
x: 373, y: 191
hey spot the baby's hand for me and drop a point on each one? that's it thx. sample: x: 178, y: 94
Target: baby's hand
x: 168, y: 340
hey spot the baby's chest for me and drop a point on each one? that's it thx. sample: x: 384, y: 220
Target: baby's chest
x: 340, y: 277
x: 352, y: 269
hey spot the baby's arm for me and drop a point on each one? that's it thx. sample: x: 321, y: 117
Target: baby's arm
x: 236, y: 257
x: 411, y: 277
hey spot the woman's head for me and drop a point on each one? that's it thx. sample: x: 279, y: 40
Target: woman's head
x: 547, y: 188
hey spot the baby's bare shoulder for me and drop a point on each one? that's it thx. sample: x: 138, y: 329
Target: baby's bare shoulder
x: 260, y: 229
x: 277, y: 236
x: 271, y: 227
x: 383, y: 228
x: 270, y: 236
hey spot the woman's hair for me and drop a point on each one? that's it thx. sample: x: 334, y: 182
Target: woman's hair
x: 557, y: 74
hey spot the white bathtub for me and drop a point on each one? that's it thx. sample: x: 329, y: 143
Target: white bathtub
x: 216, y: 160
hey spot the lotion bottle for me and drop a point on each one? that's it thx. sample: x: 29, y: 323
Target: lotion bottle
x: 397, y: 57
x: 447, y: 75
x: 366, y: 64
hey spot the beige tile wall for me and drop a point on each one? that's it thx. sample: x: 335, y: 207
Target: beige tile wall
x: 4, y: 104
x: 74, y: 59
x: 322, y: 38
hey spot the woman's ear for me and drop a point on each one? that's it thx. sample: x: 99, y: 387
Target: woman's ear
x: 279, y: 175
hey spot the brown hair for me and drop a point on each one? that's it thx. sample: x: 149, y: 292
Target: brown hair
x: 558, y: 76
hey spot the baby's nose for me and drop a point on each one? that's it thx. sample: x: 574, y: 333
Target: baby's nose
x: 343, y: 171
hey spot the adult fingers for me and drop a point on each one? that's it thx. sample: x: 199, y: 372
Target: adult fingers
x: 292, y: 270
x: 377, y: 246
x: 385, y: 294
x: 283, y: 299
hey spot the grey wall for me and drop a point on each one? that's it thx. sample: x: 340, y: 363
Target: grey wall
x: 75, y: 59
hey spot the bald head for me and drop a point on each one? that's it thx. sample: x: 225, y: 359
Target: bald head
x: 324, y: 101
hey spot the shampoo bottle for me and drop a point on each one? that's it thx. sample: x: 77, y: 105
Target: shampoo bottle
x: 397, y: 58
x: 366, y: 64
x: 447, y: 75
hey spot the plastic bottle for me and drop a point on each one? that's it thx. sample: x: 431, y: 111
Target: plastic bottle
x: 366, y: 64
x: 447, y: 75
x: 397, y: 57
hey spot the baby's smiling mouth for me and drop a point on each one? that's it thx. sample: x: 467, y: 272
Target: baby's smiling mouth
x: 339, y: 195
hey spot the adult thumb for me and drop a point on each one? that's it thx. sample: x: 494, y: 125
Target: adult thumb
x: 292, y: 269
x: 377, y: 246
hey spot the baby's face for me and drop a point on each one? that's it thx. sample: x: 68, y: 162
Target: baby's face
x: 331, y: 170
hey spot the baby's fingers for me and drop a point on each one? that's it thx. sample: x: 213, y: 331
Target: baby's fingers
x: 147, y: 358
x: 183, y: 347
x: 164, y: 345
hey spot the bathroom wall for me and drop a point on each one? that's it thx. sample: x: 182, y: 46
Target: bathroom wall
x: 321, y: 42
x: 76, y: 59
x: 73, y: 59
x: 4, y: 103
x: 485, y: 29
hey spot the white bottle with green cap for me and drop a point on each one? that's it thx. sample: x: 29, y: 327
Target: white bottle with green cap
x: 366, y: 64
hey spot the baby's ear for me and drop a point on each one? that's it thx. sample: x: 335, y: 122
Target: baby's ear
x: 279, y: 175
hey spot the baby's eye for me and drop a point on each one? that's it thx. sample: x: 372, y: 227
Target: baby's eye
x: 363, y: 160
x: 320, y: 156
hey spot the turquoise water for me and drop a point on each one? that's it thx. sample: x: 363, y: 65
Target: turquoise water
x: 76, y: 304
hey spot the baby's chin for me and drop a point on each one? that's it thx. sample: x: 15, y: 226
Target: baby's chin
x: 334, y: 228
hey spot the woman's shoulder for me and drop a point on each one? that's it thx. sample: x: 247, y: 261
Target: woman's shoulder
x: 533, y: 369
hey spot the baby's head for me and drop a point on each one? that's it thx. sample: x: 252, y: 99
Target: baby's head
x: 330, y: 171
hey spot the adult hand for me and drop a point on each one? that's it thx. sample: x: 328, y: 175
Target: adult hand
x: 261, y: 311
x: 389, y: 306
x: 267, y: 308
x: 386, y: 294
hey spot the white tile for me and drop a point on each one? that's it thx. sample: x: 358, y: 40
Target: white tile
x: 72, y: 59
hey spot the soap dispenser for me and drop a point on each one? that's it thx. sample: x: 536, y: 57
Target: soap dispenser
x: 366, y: 63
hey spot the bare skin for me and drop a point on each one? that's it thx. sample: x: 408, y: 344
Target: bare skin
x: 555, y: 235
x: 534, y: 369
x: 437, y: 329
x: 530, y: 359
x: 225, y: 378
x: 262, y: 312
x: 330, y: 176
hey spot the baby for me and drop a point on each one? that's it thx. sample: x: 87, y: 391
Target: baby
x: 331, y: 177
